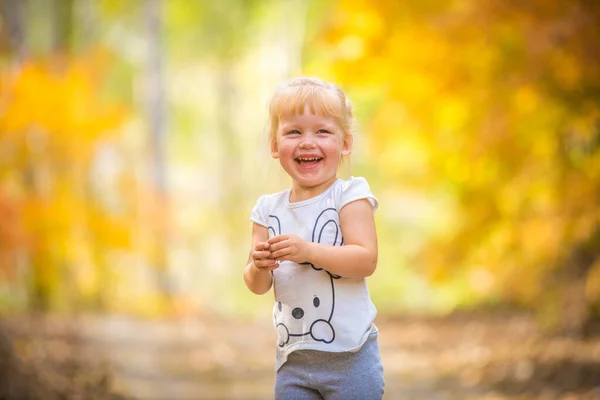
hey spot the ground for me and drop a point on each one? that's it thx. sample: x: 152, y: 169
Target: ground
x: 499, y: 356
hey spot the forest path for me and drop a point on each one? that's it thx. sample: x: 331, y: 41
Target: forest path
x: 458, y: 357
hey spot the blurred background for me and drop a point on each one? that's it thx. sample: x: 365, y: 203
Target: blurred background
x: 133, y: 147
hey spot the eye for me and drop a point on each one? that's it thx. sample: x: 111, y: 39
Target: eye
x: 316, y: 302
x: 323, y: 131
x: 293, y: 132
x: 279, y: 306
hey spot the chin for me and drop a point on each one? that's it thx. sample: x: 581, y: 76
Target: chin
x: 311, y: 183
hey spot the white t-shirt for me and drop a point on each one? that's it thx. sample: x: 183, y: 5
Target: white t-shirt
x: 315, y: 309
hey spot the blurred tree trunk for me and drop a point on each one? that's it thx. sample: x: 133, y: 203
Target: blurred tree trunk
x: 86, y: 17
x: 12, y: 15
x: 231, y: 182
x: 576, y: 310
x: 157, y: 125
x: 86, y: 28
x: 576, y: 313
x: 43, y: 276
x: 62, y: 25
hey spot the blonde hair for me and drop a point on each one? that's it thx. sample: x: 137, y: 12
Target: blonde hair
x: 320, y: 97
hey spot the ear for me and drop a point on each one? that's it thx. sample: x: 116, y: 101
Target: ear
x: 274, y: 149
x: 347, y: 145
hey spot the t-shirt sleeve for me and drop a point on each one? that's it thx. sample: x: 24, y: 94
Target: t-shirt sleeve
x: 260, y: 213
x: 356, y: 188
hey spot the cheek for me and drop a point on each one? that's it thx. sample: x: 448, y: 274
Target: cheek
x: 286, y: 148
x: 333, y: 145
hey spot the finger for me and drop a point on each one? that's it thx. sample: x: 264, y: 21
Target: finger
x: 262, y: 255
x: 277, y: 239
x: 273, y: 266
x: 266, y: 268
x: 279, y: 245
x: 265, y: 262
x: 280, y: 253
x: 261, y: 246
x: 257, y: 255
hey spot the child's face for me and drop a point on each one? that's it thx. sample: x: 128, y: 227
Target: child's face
x: 309, y: 148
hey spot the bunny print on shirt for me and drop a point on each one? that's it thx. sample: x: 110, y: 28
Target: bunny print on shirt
x: 310, y: 314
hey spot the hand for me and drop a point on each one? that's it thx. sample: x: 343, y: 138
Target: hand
x: 262, y: 258
x: 289, y: 248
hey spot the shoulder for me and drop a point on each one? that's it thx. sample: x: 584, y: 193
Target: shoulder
x: 266, y: 202
x: 355, y: 188
x: 271, y: 198
x: 354, y: 183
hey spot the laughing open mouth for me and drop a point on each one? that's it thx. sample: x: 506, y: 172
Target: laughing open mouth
x: 308, y: 161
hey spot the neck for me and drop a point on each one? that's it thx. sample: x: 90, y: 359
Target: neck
x: 301, y: 193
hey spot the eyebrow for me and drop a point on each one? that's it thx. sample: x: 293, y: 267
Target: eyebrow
x: 328, y: 125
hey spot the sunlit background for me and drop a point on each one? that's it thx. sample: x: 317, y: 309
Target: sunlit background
x: 133, y: 146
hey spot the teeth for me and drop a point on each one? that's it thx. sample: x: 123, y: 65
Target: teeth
x: 309, y: 159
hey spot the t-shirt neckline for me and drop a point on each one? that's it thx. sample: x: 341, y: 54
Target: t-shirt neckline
x: 307, y: 201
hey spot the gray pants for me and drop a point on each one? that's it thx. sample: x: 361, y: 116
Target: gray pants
x: 318, y: 375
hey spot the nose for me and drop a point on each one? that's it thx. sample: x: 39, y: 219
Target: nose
x: 297, y: 313
x: 307, y: 142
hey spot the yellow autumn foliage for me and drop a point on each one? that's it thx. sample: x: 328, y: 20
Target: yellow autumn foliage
x: 476, y: 103
x: 53, y: 117
x: 61, y: 103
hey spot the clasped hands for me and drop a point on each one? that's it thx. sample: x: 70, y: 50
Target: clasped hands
x: 286, y: 247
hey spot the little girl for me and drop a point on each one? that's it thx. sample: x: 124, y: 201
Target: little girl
x: 316, y: 244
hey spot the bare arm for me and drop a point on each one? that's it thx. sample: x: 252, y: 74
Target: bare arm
x: 357, y: 258
x: 257, y: 273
